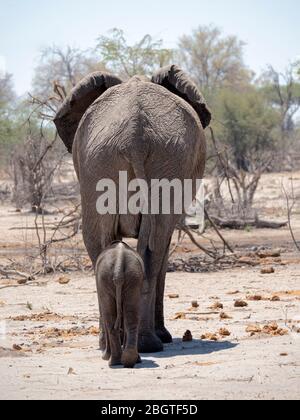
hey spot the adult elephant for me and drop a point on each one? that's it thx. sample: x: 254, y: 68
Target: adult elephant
x: 152, y: 129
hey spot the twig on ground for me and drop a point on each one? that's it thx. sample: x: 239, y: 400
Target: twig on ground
x: 13, y: 273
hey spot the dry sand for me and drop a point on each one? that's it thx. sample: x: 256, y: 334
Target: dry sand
x: 50, y: 348
x: 67, y: 365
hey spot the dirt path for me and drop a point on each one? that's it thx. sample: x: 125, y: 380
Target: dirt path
x: 58, y: 338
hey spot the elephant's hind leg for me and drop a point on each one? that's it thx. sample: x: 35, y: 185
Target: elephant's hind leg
x: 132, y: 295
x: 148, y: 341
x: 160, y: 328
x: 155, y: 266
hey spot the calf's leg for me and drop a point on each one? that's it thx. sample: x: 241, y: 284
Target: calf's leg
x: 131, y: 314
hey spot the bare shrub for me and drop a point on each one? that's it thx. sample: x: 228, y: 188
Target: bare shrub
x: 34, y: 165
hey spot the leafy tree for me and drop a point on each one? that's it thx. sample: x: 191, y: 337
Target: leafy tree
x: 143, y: 58
x: 248, y: 126
x: 283, y: 92
x: 243, y: 147
x: 214, y: 60
x: 7, y: 94
x: 8, y: 123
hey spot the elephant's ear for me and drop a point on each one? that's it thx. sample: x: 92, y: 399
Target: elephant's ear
x: 75, y: 105
x: 177, y: 82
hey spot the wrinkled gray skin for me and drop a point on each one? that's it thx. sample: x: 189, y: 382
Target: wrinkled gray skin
x: 153, y: 130
x: 120, y: 276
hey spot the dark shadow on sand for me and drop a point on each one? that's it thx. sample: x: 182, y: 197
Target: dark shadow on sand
x: 178, y: 348
x: 195, y: 347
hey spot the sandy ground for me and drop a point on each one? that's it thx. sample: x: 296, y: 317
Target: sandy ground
x: 49, y: 337
x: 66, y: 364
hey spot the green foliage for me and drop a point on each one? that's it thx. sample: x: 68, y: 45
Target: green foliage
x: 8, y: 125
x: 213, y: 60
x: 248, y: 125
x: 283, y: 93
x: 142, y: 58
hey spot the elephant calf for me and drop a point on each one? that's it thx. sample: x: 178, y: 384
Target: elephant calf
x: 120, y: 277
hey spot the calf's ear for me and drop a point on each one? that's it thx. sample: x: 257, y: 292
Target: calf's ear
x: 78, y: 101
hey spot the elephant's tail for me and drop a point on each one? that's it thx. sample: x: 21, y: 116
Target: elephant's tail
x: 148, y: 224
x: 119, y: 282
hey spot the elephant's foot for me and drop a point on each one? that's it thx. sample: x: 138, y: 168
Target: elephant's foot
x: 164, y: 335
x: 149, y: 343
x: 106, y: 355
x: 130, y: 358
x: 115, y: 361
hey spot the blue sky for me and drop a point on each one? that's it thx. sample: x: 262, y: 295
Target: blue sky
x: 271, y: 28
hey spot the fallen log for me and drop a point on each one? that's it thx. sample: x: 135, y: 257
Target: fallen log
x: 243, y: 224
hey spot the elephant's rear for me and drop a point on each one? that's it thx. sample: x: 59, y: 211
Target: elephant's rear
x: 139, y: 123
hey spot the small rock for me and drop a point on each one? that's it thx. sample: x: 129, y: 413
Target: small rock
x: 64, y: 280
x: 217, y: 305
x: 224, y: 332
x: 187, y: 336
x: 254, y: 298
x: 275, y: 299
x: 16, y: 347
x: 223, y: 315
x: 195, y: 304
x: 22, y: 281
x: 271, y: 327
x: 209, y: 336
x: 240, y: 304
x: 253, y: 329
x: 274, y: 330
x: 296, y: 330
x: 173, y: 296
x: 267, y: 270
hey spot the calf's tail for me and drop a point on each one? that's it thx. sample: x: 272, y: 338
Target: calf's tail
x: 118, y: 324
x: 119, y: 283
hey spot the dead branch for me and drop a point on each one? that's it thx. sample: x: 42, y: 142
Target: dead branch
x: 243, y: 183
x: 202, y: 248
x: 9, y: 286
x: 226, y: 244
x: 178, y: 243
x: 290, y: 206
x: 13, y: 273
